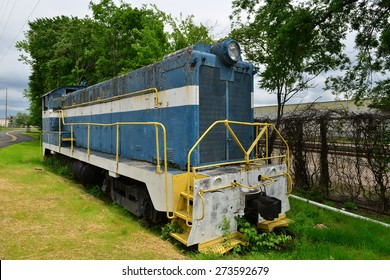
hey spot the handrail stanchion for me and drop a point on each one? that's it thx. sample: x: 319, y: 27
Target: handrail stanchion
x: 71, y: 139
x: 59, y: 132
x: 89, y: 141
x: 266, y: 142
x: 158, y: 168
x: 117, y: 147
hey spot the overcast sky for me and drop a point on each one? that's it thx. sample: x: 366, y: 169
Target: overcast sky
x: 14, y: 15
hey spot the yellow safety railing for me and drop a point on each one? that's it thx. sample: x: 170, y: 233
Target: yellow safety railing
x: 261, y: 130
x: 157, y: 125
x: 117, y: 97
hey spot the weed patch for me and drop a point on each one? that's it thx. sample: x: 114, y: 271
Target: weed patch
x: 260, y: 241
x: 59, y: 166
x: 170, y: 228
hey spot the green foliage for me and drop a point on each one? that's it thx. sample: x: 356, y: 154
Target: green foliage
x: 287, y: 42
x: 260, y: 241
x: 367, y: 75
x: 292, y: 42
x: 18, y: 155
x: 185, y: 32
x: 96, y: 191
x: 20, y: 120
x: 330, y: 203
x: 128, y: 38
x: 58, y: 167
x: 171, y: 227
x: 225, y: 226
x: 342, y: 237
x: 350, y: 205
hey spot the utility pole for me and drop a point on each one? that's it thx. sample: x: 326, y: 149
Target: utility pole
x: 6, y: 99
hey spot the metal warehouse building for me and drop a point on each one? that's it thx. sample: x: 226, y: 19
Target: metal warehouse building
x: 346, y: 105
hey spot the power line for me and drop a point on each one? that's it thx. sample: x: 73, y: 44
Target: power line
x: 20, y: 30
x: 5, y: 9
x: 1, y: 7
x: 9, y: 16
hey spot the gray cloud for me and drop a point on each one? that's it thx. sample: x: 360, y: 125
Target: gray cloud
x: 14, y: 74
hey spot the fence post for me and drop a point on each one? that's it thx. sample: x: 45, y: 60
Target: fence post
x: 300, y: 163
x: 324, y: 164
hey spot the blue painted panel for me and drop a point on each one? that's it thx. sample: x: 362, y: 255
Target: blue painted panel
x: 138, y: 141
x: 223, y: 94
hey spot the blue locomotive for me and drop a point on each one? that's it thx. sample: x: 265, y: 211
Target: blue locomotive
x: 175, y: 139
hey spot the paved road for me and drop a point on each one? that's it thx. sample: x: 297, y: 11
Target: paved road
x: 13, y: 137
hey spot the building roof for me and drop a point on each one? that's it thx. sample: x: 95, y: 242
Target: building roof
x: 269, y: 111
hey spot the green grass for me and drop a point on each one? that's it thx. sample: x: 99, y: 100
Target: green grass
x: 319, y: 234
x: 340, y: 237
x: 48, y: 216
x: 35, y: 133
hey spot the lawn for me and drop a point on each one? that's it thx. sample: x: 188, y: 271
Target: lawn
x: 47, y: 216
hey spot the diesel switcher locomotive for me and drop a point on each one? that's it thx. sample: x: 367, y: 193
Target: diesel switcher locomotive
x: 177, y: 140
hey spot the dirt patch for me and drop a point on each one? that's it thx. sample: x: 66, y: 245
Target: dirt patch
x: 5, y: 184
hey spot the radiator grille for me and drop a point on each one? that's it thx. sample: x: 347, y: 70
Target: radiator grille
x: 215, y: 95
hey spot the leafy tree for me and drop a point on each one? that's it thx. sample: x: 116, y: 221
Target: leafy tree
x: 22, y: 119
x: 55, y: 46
x: 127, y: 37
x: 185, y: 32
x: 49, y: 58
x: 35, y: 108
x: 289, y: 42
x: 67, y: 50
x: 117, y: 39
x: 292, y: 42
x: 367, y: 74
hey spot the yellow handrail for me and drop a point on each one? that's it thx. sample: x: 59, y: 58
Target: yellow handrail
x: 117, y: 125
x: 59, y: 133
x: 89, y: 139
x: 246, y: 153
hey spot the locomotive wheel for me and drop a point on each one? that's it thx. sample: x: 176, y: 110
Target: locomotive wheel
x: 112, y: 194
x: 151, y: 215
x: 107, y: 185
x: 149, y: 211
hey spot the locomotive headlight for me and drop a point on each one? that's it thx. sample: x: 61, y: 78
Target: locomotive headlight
x: 228, y: 51
x: 234, y: 51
